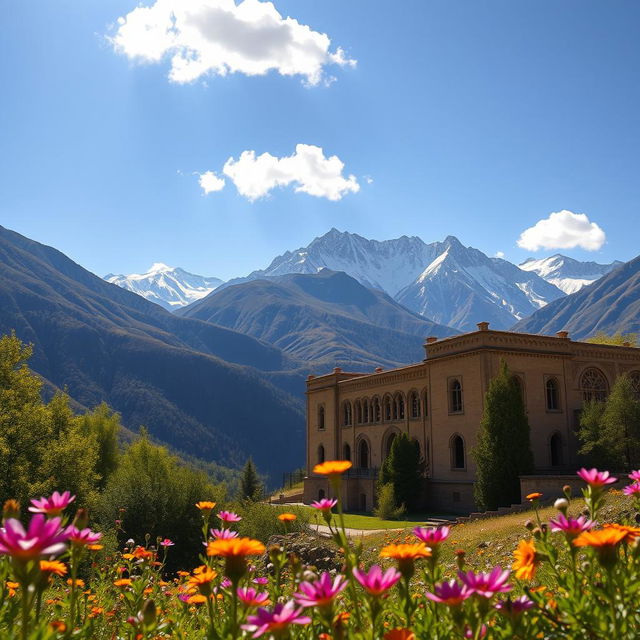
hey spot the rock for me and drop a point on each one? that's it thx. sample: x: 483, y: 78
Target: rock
x: 312, y: 551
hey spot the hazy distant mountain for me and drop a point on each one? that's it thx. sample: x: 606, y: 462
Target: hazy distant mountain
x: 610, y: 304
x: 566, y: 273
x: 326, y: 316
x: 169, y: 287
x: 201, y: 388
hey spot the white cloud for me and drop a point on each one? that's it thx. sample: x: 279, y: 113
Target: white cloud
x: 219, y: 36
x: 499, y: 254
x: 210, y: 182
x: 563, y: 230
x: 308, y: 169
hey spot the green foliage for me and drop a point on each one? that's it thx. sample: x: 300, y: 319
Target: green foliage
x: 260, y: 520
x: 403, y: 470
x: 610, y: 430
x: 386, y: 508
x: 251, y: 488
x: 618, y: 339
x: 104, y: 425
x: 503, y: 449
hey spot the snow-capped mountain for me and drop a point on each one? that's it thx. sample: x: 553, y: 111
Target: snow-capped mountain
x: 170, y: 287
x: 566, y: 273
x: 444, y: 281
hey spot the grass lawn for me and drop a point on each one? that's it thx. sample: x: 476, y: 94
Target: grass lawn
x: 368, y: 521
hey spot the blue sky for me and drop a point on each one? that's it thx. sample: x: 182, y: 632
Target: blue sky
x: 476, y: 119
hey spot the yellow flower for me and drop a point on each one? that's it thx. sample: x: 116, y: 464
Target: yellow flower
x: 205, y: 506
x: 332, y: 467
x: 287, y: 517
x: 197, y: 599
x: 406, y: 551
x: 95, y: 547
x: 525, y: 560
x: 59, y: 568
x: 123, y: 582
x: 235, y: 547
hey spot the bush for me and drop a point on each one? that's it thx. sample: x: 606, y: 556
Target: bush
x: 260, y: 520
x: 386, y: 508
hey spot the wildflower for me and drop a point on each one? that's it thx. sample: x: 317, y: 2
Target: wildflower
x: 95, y: 547
x: 235, y: 552
x: 95, y: 612
x: 631, y: 532
x: 167, y: 543
x: 525, y: 560
x: 332, y: 467
x: 604, y: 541
x: 536, y: 495
x: 406, y: 554
x: 320, y: 593
x: 123, y: 582
x: 275, y: 621
x: 252, y: 598
x: 571, y: 527
x: 515, y: 607
x: 198, y: 598
x: 142, y: 554
x: 78, y: 582
x: 228, y: 516
x: 11, y: 509
x: 634, y: 475
x: 595, y: 478
x: 325, y: 505
x: 287, y: 517
x: 431, y: 536
x: 260, y: 580
x: 400, y: 634
x: 42, y: 538
x: 54, y: 505
x: 375, y: 582
x: 486, y: 584
x: 226, y: 583
x: 205, y: 506
x: 53, y: 567
x: 632, y: 489
x: 82, y: 537
x: 561, y: 504
x: 451, y: 593
x: 58, y: 625
x: 224, y: 534
x: 202, y: 580
x: 469, y: 632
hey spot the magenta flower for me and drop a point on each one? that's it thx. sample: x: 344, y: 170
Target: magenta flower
x: 226, y: 583
x: 325, y: 505
x: 486, y: 584
x: 595, y: 478
x: 82, y: 537
x: 470, y: 633
x: 54, y: 505
x: 251, y: 598
x: 229, y: 516
x: 634, y: 475
x: 452, y: 593
x: 375, y: 582
x: 631, y: 489
x: 515, y: 607
x: 261, y: 581
x: 223, y: 534
x: 321, y: 592
x: 431, y: 536
x: 570, y: 526
x: 42, y: 538
x: 275, y: 621
x: 184, y: 597
x: 167, y: 543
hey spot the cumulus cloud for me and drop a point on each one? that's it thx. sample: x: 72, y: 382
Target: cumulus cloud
x: 499, y: 254
x: 563, y: 230
x: 210, y: 182
x: 307, y: 169
x: 217, y: 37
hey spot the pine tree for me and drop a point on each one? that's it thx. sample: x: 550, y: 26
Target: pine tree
x: 403, y: 469
x: 503, y: 450
x: 250, y: 486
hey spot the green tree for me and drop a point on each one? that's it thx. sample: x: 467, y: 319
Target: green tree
x: 103, y: 425
x: 619, y: 339
x: 503, y: 449
x: 403, y: 469
x: 250, y: 486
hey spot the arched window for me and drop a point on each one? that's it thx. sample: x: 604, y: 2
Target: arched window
x: 458, y: 458
x: 387, y: 448
x: 552, y: 394
x: 455, y: 396
x: 387, y: 407
x: 634, y: 376
x: 363, y: 454
x: 365, y: 411
x: 321, y: 494
x: 375, y: 409
x: 321, y: 417
x: 414, y: 405
x: 347, y: 416
x: 320, y: 454
x: 400, y: 406
x: 346, y: 451
x: 555, y: 446
x: 358, y: 412
x: 593, y: 385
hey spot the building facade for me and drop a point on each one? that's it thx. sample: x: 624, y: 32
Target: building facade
x: 440, y: 401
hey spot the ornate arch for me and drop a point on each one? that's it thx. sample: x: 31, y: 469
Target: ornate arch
x: 455, y: 395
x: 414, y: 404
x: 347, y: 413
x: 387, y: 407
x: 363, y: 452
x: 552, y: 394
x: 376, y: 409
x: 593, y: 384
x: 387, y: 440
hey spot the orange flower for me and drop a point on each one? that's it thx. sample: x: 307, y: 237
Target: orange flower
x: 96, y: 611
x: 78, y: 582
x: 95, y: 547
x: 332, y: 467
x: 525, y: 560
x: 406, y: 551
x: 141, y: 552
x: 58, y: 625
x: 235, y: 547
x: 123, y: 582
x: 608, y: 537
x: 400, y: 634
x: 534, y: 496
x: 631, y: 532
x: 59, y: 568
x: 202, y: 579
x: 197, y: 599
x: 287, y: 517
x: 206, y: 506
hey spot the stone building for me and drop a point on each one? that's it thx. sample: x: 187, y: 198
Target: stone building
x: 439, y: 402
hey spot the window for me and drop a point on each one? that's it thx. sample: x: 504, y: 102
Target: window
x: 321, y: 424
x: 365, y: 411
x: 398, y: 407
x: 414, y: 405
x: 634, y: 376
x: 346, y: 451
x: 320, y: 454
x: 363, y: 454
x: 555, y: 446
x: 552, y: 394
x: 593, y: 385
x: 347, y: 416
x: 390, y: 438
x: 387, y: 408
x: 458, y: 460
x: 375, y: 409
x: 455, y: 396
x: 358, y: 412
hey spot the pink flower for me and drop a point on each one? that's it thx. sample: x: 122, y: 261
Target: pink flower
x: 515, y: 607
x: 226, y: 583
x: 375, y: 582
x: 431, y: 536
x: 228, y: 516
x: 595, y: 478
x: 470, y: 633
x: 634, y: 475
x: 275, y: 621
x: 570, y: 526
x: 167, y: 543
x: 260, y: 581
x: 486, y: 584
x: 326, y: 504
x: 451, y: 593
x: 223, y: 534
x: 82, y: 537
x: 54, y: 505
x: 631, y: 489
x: 321, y: 592
x: 42, y: 538
x: 251, y: 598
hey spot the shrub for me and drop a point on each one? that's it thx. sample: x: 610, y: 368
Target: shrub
x: 386, y: 508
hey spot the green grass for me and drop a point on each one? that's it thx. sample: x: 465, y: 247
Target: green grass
x: 369, y: 522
